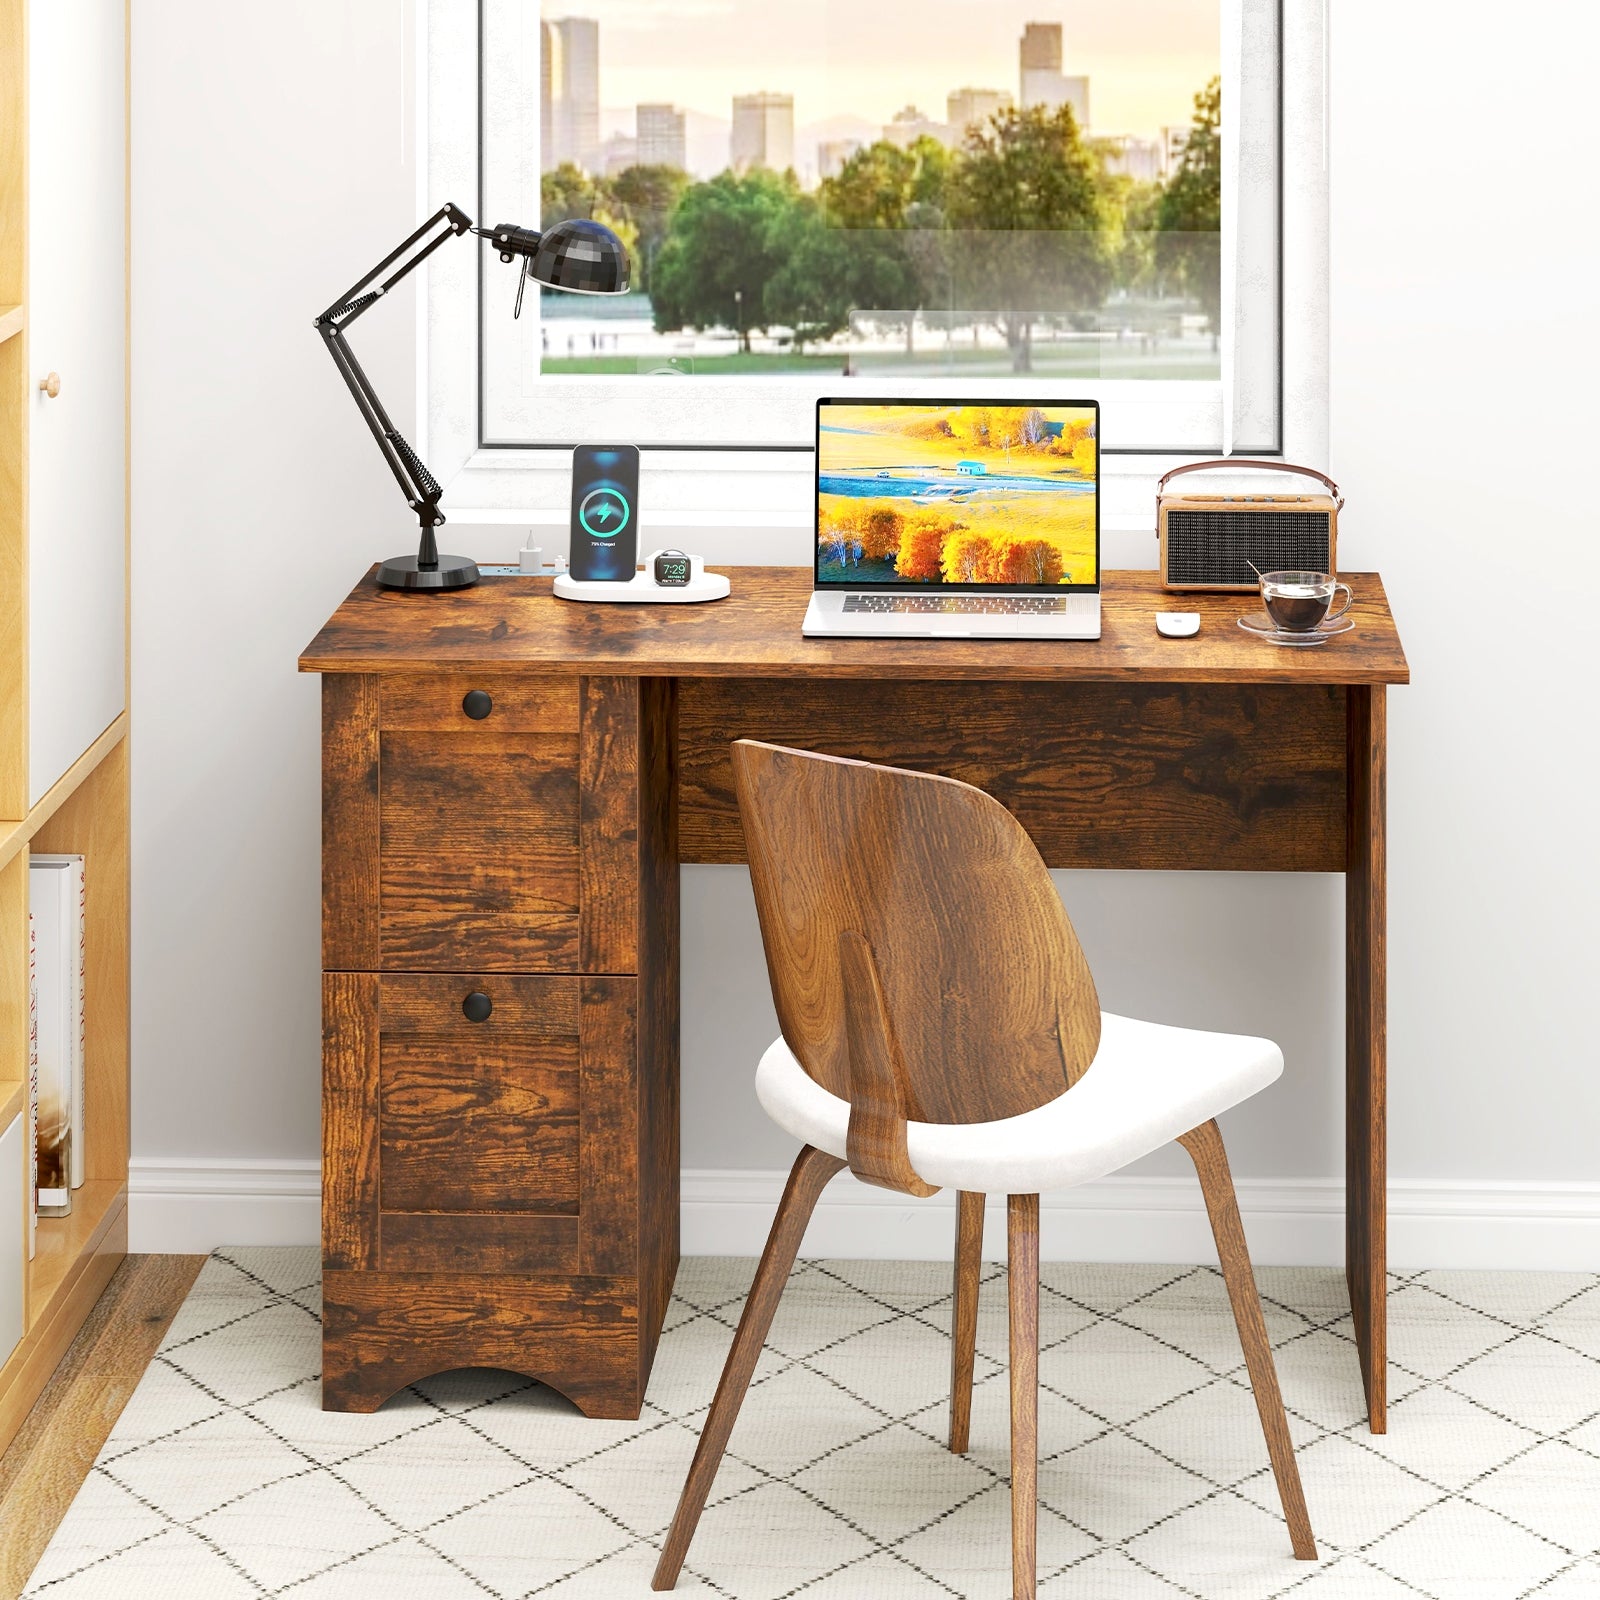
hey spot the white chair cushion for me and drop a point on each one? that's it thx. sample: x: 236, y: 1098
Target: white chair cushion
x: 1146, y: 1085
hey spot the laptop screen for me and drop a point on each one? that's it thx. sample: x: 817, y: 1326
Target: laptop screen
x: 930, y: 494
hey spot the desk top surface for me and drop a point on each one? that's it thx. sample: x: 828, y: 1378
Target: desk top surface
x: 516, y: 624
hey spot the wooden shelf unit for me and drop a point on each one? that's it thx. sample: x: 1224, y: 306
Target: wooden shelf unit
x: 75, y: 1255
x: 15, y: 836
x: 85, y: 812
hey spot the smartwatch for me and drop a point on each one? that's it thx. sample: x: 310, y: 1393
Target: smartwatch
x: 672, y: 569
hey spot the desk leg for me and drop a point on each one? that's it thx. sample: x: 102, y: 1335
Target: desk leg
x: 1365, y: 1044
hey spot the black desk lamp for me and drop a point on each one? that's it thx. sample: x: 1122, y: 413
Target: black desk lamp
x: 581, y: 257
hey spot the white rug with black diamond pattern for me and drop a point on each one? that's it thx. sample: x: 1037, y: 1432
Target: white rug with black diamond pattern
x: 223, y: 1478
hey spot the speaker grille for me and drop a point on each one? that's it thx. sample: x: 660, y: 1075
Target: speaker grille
x: 1218, y: 546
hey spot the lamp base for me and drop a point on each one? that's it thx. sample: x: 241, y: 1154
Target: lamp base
x: 448, y: 572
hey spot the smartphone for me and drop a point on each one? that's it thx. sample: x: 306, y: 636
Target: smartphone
x: 605, y: 513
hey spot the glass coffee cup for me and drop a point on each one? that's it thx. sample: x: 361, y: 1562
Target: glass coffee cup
x: 1298, y: 602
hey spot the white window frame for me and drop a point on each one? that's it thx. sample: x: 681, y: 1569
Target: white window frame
x: 725, y: 494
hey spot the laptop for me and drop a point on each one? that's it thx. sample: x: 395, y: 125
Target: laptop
x: 941, y: 519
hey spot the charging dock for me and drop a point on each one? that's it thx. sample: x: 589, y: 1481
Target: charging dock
x: 642, y: 588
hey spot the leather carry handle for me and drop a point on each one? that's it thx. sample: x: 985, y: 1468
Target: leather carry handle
x: 1266, y: 466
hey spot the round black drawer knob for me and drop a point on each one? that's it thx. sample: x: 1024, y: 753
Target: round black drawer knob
x: 477, y: 1006
x: 477, y: 705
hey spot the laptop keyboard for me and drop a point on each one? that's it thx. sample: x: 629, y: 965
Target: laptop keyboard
x: 1006, y: 605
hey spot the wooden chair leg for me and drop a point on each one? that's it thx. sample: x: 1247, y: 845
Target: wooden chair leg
x: 1204, y: 1144
x: 807, y: 1179
x: 964, y: 1316
x: 1022, y: 1249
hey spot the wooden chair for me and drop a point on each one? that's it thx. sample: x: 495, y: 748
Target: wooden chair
x: 939, y: 1026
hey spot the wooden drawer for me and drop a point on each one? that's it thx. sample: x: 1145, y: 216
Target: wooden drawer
x: 451, y: 841
x: 507, y: 842
x: 478, y: 825
x: 478, y: 1117
x: 505, y: 1145
x: 436, y: 704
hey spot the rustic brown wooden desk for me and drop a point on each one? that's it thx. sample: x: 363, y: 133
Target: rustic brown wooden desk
x: 500, y: 909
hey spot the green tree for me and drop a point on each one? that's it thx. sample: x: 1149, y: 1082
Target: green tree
x: 721, y: 251
x: 566, y: 192
x: 877, y: 187
x: 872, y: 189
x: 647, y: 196
x: 827, y: 274
x: 1130, y: 209
x: 814, y: 287
x: 1189, y: 216
x: 932, y: 180
x: 1026, y: 185
x: 876, y: 202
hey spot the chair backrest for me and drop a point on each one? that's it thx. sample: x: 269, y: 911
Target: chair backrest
x: 922, y: 963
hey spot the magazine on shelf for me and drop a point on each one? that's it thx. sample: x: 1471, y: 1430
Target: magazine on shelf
x: 56, y: 899
x: 33, y: 1088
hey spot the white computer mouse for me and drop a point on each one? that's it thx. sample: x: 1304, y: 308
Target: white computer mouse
x: 1178, y: 624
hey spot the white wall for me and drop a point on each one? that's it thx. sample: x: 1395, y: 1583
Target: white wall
x: 271, y: 164
x: 1464, y: 425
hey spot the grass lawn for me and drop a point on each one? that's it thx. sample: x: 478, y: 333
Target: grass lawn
x: 1077, y: 360
x: 767, y: 363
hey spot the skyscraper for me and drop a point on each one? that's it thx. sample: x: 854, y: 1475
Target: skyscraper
x: 1043, y: 83
x: 967, y: 108
x: 569, y: 86
x: 546, y: 107
x: 1041, y: 47
x: 663, y: 136
x: 763, y: 132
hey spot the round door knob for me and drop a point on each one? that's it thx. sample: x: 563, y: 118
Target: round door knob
x: 477, y: 705
x: 51, y: 384
x: 477, y: 1006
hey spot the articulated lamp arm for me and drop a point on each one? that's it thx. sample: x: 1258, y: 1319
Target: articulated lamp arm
x: 417, y: 484
x: 580, y: 257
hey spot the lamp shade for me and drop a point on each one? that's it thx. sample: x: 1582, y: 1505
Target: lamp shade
x: 581, y: 257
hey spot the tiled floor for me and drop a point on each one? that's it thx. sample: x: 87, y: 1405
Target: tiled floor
x: 223, y: 1478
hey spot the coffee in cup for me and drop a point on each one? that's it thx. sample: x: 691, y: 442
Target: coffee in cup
x: 1298, y: 602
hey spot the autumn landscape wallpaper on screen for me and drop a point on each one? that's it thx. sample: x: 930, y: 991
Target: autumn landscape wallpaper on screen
x: 924, y: 494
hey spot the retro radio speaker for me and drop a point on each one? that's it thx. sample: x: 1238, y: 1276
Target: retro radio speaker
x: 1220, y: 541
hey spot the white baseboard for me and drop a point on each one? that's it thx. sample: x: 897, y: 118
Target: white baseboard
x: 193, y: 1207
x: 1290, y: 1222
x: 186, y: 1206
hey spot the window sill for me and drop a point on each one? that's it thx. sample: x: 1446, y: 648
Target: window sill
x: 748, y: 508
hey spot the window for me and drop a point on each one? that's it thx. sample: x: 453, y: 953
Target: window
x: 913, y: 197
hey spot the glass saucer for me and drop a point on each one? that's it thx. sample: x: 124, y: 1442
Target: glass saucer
x: 1263, y: 627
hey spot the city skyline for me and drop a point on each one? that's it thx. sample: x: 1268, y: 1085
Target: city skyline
x: 569, y: 90
x: 850, y: 67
